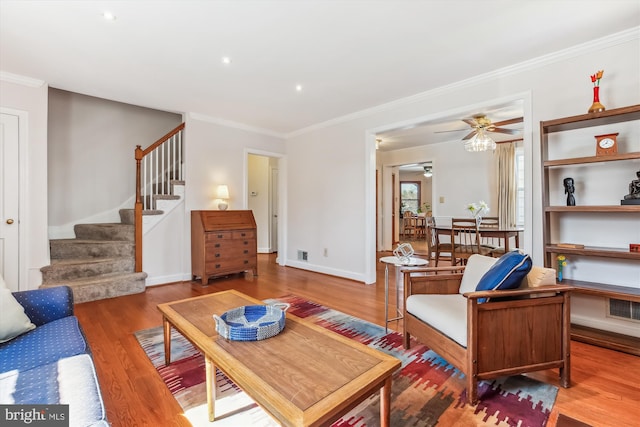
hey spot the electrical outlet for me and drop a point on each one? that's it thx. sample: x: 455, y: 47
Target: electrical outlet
x: 325, y: 252
x: 441, y: 199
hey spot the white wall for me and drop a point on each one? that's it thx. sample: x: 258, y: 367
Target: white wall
x: 215, y: 154
x: 164, y: 258
x: 34, y: 252
x: 337, y: 155
x: 91, y: 157
x: 326, y: 192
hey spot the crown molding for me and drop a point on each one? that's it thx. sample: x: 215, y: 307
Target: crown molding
x: 601, y: 43
x: 20, y: 80
x: 236, y: 125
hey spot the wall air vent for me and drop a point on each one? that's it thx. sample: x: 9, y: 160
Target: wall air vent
x: 623, y: 309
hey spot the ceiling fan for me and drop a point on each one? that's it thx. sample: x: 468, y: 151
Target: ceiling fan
x: 481, y: 123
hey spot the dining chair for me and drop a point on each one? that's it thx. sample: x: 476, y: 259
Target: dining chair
x: 465, y: 232
x: 431, y: 237
x: 495, y: 245
x: 441, y: 246
x: 489, y: 222
x: 408, y: 224
x: 421, y: 225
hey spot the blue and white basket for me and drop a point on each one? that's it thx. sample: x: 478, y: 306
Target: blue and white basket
x: 252, y: 322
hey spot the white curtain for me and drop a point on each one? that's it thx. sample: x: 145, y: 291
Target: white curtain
x: 507, y: 186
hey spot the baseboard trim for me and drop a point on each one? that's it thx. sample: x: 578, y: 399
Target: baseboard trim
x: 325, y: 270
x: 164, y: 280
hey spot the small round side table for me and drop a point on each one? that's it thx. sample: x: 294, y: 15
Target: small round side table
x: 398, y: 264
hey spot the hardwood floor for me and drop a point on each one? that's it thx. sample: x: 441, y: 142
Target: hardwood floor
x: 605, y: 384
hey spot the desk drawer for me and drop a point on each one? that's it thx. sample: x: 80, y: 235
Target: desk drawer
x: 238, y: 264
x: 218, y: 236
x: 244, y: 234
x: 220, y: 254
x: 234, y: 246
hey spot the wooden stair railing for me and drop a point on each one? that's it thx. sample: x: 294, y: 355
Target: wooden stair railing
x: 156, y: 166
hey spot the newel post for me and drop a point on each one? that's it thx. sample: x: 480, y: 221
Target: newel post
x: 138, y: 213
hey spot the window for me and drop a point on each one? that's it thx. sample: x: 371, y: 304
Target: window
x: 409, y: 196
x: 519, y: 159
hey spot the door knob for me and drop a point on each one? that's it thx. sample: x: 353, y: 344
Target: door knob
x: 9, y: 221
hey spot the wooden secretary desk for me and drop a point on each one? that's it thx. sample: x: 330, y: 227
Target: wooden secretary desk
x: 222, y: 242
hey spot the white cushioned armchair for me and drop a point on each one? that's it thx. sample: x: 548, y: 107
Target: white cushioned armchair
x: 514, y: 331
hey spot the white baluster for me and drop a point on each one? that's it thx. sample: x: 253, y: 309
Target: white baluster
x: 143, y: 184
x: 163, y: 171
x: 180, y: 155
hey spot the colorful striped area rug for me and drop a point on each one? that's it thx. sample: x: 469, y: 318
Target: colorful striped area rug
x: 426, y: 391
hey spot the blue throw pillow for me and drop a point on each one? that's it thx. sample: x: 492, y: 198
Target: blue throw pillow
x: 506, y: 273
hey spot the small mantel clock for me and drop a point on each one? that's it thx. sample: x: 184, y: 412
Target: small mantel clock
x: 606, y: 145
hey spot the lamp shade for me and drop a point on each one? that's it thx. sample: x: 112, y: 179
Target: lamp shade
x: 480, y: 142
x: 223, y: 192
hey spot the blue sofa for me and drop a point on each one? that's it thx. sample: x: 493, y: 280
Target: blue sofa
x: 51, y: 364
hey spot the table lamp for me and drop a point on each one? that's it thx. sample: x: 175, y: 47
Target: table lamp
x: 223, y: 195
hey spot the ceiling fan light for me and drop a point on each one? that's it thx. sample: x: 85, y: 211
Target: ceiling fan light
x: 472, y: 145
x: 480, y: 142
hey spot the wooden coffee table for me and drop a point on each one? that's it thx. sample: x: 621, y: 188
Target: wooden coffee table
x: 304, y: 376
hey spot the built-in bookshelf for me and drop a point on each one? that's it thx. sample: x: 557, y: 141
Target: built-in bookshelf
x: 555, y: 215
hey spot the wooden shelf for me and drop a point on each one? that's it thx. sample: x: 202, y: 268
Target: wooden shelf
x: 592, y: 159
x: 620, y: 253
x: 602, y: 208
x: 606, y: 339
x: 604, y: 290
x: 617, y: 115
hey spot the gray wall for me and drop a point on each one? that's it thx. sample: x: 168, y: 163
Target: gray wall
x: 91, y: 156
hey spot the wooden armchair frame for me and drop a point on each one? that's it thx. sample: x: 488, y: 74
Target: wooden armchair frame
x: 516, y: 331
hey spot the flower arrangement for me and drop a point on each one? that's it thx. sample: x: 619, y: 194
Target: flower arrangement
x: 562, y: 262
x: 425, y: 207
x: 477, y: 209
x: 595, y: 78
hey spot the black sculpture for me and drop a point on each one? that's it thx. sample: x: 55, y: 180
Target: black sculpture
x: 634, y: 188
x: 633, y: 198
x: 569, y: 190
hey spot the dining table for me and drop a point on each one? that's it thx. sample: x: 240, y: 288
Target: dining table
x: 504, y: 233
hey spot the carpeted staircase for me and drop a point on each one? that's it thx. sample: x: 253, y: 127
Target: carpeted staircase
x: 98, y: 263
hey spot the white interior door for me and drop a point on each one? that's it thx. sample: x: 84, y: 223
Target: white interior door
x: 273, y: 191
x: 9, y: 198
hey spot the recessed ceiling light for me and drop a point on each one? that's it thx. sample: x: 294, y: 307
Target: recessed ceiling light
x: 299, y: 88
x: 108, y: 16
x: 226, y: 60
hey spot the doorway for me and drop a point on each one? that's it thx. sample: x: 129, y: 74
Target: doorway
x: 263, y: 189
x: 415, y: 189
x: 432, y: 138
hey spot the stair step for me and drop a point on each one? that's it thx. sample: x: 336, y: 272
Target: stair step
x: 104, y: 286
x: 81, y: 248
x: 166, y: 187
x: 71, y: 269
x: 166, y: 197
x: 110, y: 231
x: 127, y: 216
